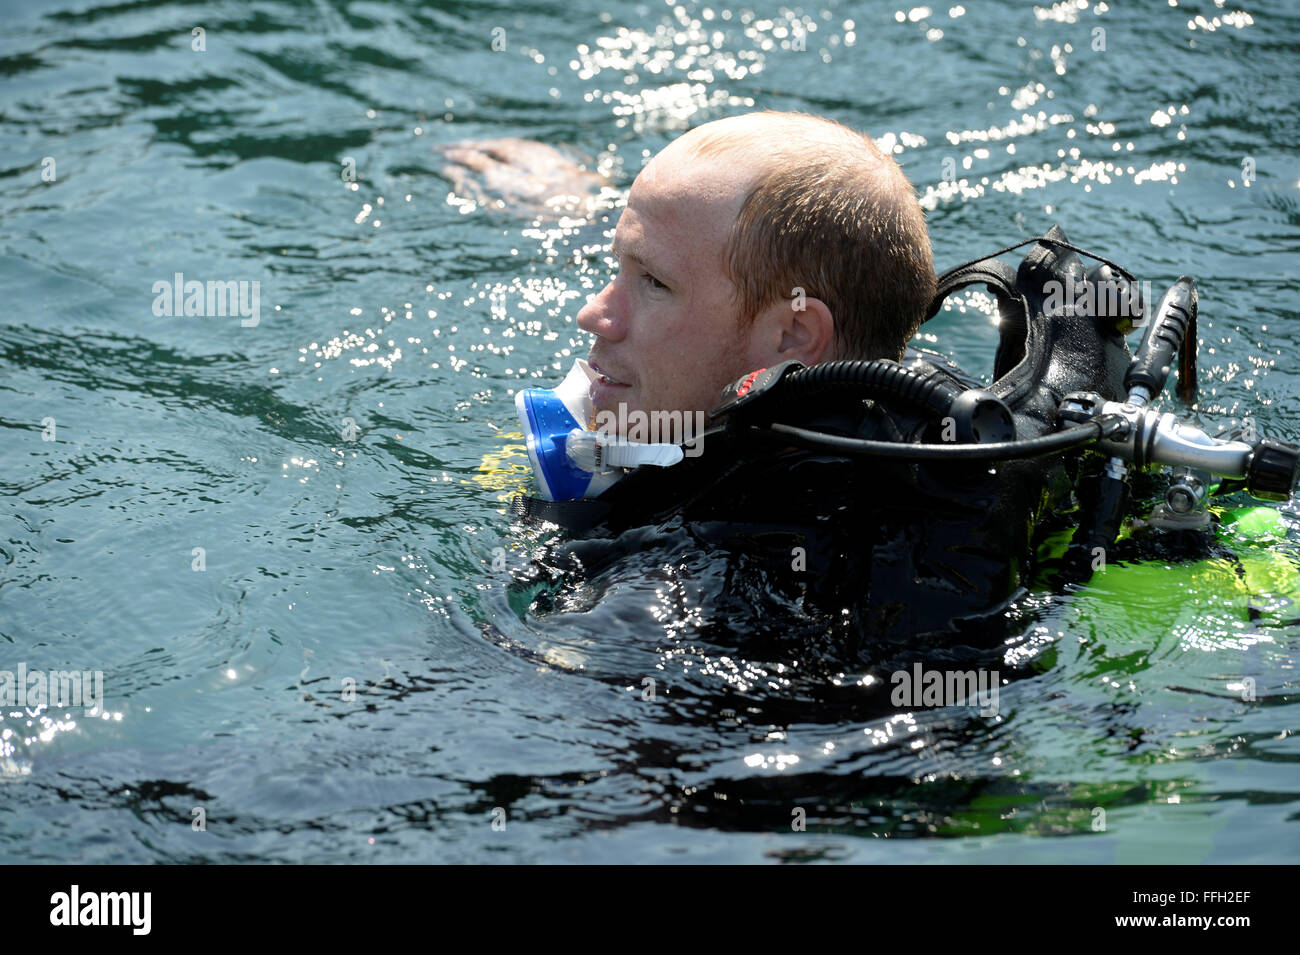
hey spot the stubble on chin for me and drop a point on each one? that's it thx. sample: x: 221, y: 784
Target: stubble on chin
x: 610, y: 419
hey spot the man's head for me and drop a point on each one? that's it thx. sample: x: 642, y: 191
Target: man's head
x: 750, y: 241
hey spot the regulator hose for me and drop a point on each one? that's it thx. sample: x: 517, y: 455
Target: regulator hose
x: 877, y: 379
x: 1064, y: 440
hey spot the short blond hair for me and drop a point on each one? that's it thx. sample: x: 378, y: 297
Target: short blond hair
x: 829, y: 214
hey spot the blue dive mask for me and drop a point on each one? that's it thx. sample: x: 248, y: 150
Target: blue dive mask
x: 570, y: 460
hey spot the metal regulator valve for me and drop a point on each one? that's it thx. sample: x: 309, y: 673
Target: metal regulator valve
x: 1269, y: 468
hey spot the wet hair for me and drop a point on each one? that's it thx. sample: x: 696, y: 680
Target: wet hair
x: 831, y: 214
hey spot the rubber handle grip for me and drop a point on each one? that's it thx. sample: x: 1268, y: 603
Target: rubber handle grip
x: 1164, y: 336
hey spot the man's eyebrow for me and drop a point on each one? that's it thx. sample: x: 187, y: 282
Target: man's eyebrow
x: 633, y: 254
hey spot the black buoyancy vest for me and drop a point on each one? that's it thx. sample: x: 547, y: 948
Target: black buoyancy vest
x: 904, y: 548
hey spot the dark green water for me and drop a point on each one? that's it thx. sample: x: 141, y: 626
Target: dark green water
x: 331, y: 555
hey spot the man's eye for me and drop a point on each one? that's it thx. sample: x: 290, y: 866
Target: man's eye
x: 654, y: 282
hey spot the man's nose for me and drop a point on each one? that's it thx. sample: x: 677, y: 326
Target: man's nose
x: 602, y: 316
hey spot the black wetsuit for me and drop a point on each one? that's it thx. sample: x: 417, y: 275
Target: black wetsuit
x: 884, y: 553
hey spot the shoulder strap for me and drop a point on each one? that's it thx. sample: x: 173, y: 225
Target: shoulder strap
x: 997, y: 275
x: 1000, y: 279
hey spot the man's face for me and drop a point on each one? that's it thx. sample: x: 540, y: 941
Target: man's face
x: 667, y: 336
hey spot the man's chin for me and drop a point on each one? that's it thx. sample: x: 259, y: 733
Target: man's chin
x: 631, y: 423
x: 616, y: 401
x: 615, y: 421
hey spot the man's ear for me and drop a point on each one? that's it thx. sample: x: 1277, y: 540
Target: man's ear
x: 798, y: 329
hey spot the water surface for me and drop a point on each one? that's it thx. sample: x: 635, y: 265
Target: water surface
x: 342, y: 463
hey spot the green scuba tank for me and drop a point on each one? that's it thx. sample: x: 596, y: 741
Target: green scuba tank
x: 1248, y: 583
